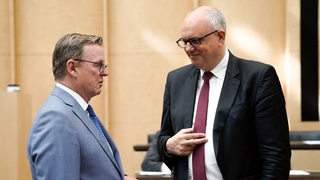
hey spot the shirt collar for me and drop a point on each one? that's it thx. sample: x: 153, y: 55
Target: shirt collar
x: 220, y: 70
x: 75, y: 95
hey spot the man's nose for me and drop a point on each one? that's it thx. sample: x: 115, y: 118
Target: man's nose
x: 188, y: 47
x: 104, y: 72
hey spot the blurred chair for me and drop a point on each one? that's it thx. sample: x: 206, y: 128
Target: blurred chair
x: 305, y: 150
x: 305, y: 135
x: 152, y: 161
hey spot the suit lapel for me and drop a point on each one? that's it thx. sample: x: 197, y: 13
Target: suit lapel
x: 228, y: 93
x: 191, y: 85
x: 115, y: 155
x: 84, y: 118
x: 91, y: 127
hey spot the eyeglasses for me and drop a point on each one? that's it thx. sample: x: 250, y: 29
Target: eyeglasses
x: 193, y: 41
x: 102, y: 66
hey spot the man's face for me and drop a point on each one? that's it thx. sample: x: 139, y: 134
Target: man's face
x: 89, y: 77
x: 202, y: 56
x: 207, y: 54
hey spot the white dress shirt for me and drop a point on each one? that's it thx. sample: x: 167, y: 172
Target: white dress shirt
x: 216, y: 82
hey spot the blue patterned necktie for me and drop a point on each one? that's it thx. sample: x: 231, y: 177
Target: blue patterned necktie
x: 95, y: 120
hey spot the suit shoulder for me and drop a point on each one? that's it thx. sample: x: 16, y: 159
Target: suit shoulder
x: 183, y: 71
x: 54, y: 111
x: 246, y: 65
x: 253, y: 63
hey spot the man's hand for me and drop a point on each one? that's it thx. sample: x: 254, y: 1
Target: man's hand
x: 183, y: 143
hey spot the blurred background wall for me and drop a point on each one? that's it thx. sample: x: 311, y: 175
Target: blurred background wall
x: 139, y: 41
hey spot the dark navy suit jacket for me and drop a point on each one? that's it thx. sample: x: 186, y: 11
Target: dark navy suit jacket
x: 250, y: 133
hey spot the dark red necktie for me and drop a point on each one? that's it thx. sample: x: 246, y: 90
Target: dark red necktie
x: 199, y: 171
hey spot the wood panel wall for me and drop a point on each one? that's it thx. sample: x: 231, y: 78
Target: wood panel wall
x: 139, y: 40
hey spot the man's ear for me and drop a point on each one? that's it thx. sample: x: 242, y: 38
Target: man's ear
x: 71, y: 67
x: 222, y: 37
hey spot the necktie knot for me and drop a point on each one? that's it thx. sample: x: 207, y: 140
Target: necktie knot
x: 94, y: 118
x: 207, y: 76
x: 90, y: 111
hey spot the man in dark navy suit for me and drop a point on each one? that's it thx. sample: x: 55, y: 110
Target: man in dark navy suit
x: 246, y: 134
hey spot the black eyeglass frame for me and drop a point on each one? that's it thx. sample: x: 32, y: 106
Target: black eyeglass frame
x: 102, y: 66
x: 193, y: 41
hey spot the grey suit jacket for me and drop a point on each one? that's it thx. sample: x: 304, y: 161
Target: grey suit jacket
x: 64, y: 144
x: 250, y: 133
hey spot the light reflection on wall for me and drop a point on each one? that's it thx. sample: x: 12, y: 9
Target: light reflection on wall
x: 293, y: 82
x: 164, y: 47
x: 250, y: 42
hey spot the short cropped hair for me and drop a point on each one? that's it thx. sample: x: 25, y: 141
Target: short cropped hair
x: 70, y: 46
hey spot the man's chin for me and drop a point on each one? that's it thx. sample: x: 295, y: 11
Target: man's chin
x: 98, y: 91
x: 195, y: 64
x: 194, y: 59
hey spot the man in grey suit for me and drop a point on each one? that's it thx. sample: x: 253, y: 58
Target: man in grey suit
x: 246, y: 134
x: 64, y: 142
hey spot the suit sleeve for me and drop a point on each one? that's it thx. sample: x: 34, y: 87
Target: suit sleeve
x: 272, y: 127
x: 166, y: 126
x: 54, y: 148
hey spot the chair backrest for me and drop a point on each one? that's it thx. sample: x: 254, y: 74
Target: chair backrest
x: 152, y: 137
x: 304, y: 135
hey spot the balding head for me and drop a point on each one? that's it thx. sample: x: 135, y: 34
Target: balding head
x: 205, y: 16
x: 203, y: 37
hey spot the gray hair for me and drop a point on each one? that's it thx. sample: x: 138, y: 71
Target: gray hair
x: 70, y: 46
x: 216, y: 19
